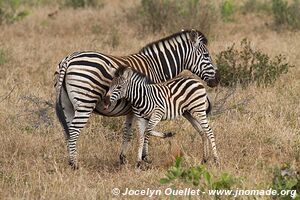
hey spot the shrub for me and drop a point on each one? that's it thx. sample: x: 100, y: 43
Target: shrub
x: 227, y: 9
x: 286, y: 178
x: 172, y: 15
x: 10, y: 11
x: 198, y: 176
x: 256, y: 6
x: 247, y: 65
x: 286, y: 15
x: 83, y: 3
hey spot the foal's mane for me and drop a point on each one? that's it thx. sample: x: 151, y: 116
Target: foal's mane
x: 120, y: 71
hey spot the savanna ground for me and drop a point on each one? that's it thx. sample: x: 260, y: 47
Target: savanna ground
x: 252, y: 138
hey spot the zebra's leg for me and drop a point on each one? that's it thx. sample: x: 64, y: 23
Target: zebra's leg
x: 200, y: 124
x: 153, y: 121
x: 197, y: 126
x: 142, y: 123
x: 81, y: 116
x: 202, y: 120
x: 127, y: 135
x: 145, y: 156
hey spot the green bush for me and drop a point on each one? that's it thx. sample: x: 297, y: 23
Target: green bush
x: 10, y: 11
x: 172, y: 15
x: 83, y: 3
x: 247, y: 65
x: 286, y: 178
x: 251, y: 6
x: 227, y: 9
x: 286, y: 15
x: 199, y: 176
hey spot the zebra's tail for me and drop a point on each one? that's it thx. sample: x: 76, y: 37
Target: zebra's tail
x: 58, y: 84
x: 208, y: 109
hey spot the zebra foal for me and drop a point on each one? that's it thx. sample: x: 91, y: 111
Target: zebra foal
x: 152, y: 103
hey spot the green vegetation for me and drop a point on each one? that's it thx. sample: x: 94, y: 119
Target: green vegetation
x: 227, y: 9
x: 11, y: 12
x: 285, y: 14
x: 199, y: 176
x: 172, y: 15
x: 83, y: 3
x: 248, y: 65
x: 251, y: 6
x: 286, y: 178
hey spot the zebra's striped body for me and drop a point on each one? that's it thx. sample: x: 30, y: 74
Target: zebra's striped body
x: 83, y: 79
x: 152, y: 103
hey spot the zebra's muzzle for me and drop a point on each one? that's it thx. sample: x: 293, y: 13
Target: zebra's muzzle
x: 106, y: 102
x: 214, y: 82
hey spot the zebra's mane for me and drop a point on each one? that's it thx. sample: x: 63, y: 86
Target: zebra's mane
x: 184, y: 32
x: 119, y: 72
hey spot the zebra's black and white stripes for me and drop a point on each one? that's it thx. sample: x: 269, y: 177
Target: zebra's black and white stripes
x: 152, y: 103
x: 83, y: 78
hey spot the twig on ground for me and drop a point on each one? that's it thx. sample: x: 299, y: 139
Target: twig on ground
x: 9, y: 93
x: 36, y: 100
x: 219, y: 106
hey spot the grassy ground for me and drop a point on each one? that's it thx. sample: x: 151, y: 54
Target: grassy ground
x: 252, y: 139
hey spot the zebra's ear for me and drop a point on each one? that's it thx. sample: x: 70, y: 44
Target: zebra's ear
x: 194, y: 37
x: 127, y: 73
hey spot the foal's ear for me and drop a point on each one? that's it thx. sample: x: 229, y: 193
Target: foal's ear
x: 127, y: 73
x: 194, y: 37
x: 120, y: 71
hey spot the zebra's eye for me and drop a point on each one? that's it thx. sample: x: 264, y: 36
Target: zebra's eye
x: 206, y: 55
x: 118, y: 87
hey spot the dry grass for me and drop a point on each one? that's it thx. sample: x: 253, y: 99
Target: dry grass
x: 33, y: 159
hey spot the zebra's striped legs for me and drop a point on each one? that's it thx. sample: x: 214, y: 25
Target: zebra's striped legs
x: 197, y: 126
x: 210, y: 135
x: 142, y: 123
x: 153, y: 121
x: 127, y: 135
x: 145, y: 131
x: 79, y: 121
x: 205, y: 148
x: 200, y: 122
x: 145, y: 156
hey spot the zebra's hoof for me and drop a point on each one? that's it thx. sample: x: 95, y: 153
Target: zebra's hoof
x: 142, y: 166
x: 169, y: 134
x: 123, y: 159
x: 73, y: 165
x: 146, y: 159
x: 138, y: 165
x: 217, y: 162
x: 204, y: 161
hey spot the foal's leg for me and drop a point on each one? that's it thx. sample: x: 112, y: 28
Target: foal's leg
x: 201, y: 122
x: 127, y: 136
x: 155, y: 118
x: 197, y: 126
x: 142, y: 123
x: 202, y: 119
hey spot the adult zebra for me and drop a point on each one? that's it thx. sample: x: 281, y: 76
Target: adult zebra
x: 180, y: 96
x: 82, y: 80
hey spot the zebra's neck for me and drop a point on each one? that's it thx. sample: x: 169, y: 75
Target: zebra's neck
x: 138, y: 90
x: 163, y: 60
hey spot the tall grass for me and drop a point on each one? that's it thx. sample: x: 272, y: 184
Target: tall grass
x: 171, y: 16
x: 286, y: 15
